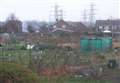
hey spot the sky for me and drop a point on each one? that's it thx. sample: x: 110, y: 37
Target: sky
x: 43, y: 10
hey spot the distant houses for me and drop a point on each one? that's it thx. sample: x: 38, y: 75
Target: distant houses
x: 15, y: 26
x: 108, y: 26
x: 111, y: 25
x: 62, y: 27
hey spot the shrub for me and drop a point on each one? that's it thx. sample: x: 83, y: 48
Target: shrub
x: 14, y: 73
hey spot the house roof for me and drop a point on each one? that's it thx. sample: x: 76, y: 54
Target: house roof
x: 61, y: 24
x: 70, y: 26
x: 78, y: 27
x: 61, y: 29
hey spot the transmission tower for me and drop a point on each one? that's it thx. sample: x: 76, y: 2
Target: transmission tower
x: 61, y: 14
x: 84, y: 16
x: 58, y: 13
x: 92, y: 14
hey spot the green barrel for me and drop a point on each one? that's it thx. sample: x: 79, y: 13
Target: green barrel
x: 106, y: 43
x: 95, y: 44
x: 84, y: 44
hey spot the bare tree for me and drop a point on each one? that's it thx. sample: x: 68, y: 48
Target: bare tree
x: 13, y: 25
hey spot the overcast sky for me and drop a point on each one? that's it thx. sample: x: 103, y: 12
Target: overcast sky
x: 42, y: 10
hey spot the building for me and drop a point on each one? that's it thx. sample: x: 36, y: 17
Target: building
x: 110, y: 25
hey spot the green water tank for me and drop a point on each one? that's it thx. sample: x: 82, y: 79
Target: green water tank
x: 88, y: 44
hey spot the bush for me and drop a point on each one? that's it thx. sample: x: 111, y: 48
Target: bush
x: 14, y: 73
x: 23, y: 48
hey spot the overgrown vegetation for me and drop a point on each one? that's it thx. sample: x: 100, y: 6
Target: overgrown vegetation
x: 14, y: 73
x: 53, y: 59
x: 71, y: 79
